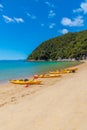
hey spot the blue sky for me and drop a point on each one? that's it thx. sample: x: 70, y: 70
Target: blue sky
x: 24, y: 24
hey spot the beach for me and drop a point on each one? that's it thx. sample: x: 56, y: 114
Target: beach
x: 56, y: 104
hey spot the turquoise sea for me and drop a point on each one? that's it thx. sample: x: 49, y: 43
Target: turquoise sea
x: 22, y: 69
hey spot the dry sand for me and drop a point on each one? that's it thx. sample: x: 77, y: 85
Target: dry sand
x: 57, y: 104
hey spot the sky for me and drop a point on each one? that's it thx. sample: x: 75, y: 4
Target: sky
x: 25, y: 24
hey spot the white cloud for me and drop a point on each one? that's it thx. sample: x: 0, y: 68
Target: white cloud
x: 19, y: 20
x: 78, y: 21
x: 77, y: 10
x: 51, y: 14
x: 52, y: 25
x: 64, y: 31
x: 1, y: 7
x: 49, y: 4
x: 83, y: 8
x: 42, y: 24
x: 8, y: 19
x: 12, y: 20
x: 31, y: 16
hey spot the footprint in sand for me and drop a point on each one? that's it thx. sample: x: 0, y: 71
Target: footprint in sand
x: 13, y: 99
x: 1, y: 105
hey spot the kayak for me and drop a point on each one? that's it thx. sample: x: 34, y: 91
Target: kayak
x: 75, y: 68
x: 72, y: 70
x: 64, y: 71
x: 60, y: 72
x: 55, y: 72
x: 22, y: 82
x: 49, y: 76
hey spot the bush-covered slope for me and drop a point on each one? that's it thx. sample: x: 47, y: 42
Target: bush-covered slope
x: 70, y: 45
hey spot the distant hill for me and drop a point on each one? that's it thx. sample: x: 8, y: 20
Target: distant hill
x: 70, y: 45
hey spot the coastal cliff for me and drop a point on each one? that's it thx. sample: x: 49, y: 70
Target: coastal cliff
x: 68, y: 46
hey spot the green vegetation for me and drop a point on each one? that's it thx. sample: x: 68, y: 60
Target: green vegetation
x: 70, y: 45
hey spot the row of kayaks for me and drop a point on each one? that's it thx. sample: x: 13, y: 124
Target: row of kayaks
x: 52, y: 74
x: 34, y: 81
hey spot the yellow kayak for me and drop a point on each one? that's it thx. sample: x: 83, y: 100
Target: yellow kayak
x: 22, y: 82
x: 60, y: 72
x: 55, y: 72
x: 49, y: 76
x: 64, y: 71
x: 72, y: 70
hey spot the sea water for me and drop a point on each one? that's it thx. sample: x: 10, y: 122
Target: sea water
x: 22, y: 69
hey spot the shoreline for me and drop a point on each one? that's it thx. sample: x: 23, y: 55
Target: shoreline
x: 72, y: 64
x: 46, y: 106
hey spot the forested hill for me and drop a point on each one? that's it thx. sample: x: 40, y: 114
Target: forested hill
x: 70, y: 45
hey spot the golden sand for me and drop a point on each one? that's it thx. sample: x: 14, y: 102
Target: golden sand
x: 56, y: 104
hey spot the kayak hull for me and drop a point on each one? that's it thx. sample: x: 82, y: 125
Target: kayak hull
x: 26, y: 82
x: 49, y: 76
